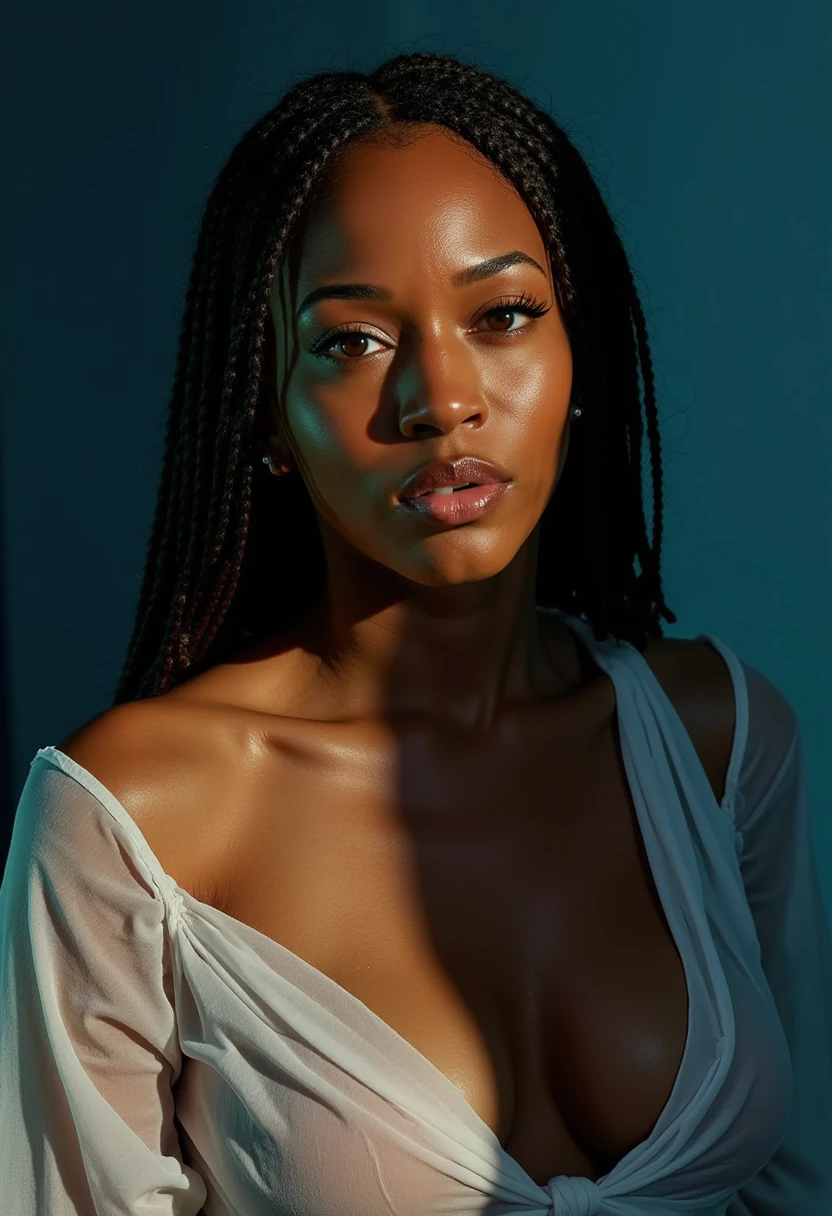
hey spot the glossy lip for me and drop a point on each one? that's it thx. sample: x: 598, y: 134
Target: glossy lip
x: 461, y: 507
x: 450, y: 473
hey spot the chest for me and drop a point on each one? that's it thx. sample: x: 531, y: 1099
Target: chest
x: 500, y: 914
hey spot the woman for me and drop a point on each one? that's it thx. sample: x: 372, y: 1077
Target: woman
x: 389, y: 884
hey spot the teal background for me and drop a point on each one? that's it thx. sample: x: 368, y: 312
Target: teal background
x: 708, y: 128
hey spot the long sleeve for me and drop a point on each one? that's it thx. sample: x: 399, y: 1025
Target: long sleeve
x: 780, y: 876
x: 88, y: 1043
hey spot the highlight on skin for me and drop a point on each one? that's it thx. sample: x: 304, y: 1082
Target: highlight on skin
x: 234, y: 553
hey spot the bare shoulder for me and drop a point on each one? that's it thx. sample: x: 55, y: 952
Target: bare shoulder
x: 176, y: 768
x: 697, y: 681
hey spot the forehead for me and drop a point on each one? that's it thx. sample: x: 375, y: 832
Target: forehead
x: 434, y: 204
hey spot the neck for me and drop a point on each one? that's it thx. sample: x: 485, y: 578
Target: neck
x: 453, y: 656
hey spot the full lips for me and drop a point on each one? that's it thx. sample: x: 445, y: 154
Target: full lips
x: 461, y: 507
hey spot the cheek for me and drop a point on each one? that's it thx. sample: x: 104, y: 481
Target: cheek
x: 334, y: 447
x: 318, y: 422
x: 541, y: 408
x: 536, y: 395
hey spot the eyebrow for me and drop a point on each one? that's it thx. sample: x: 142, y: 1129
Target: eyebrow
x: 463, y: 278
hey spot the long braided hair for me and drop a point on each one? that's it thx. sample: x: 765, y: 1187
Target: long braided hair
x: 234, y: 553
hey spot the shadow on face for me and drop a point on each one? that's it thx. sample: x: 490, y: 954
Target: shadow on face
x: 416, y: 320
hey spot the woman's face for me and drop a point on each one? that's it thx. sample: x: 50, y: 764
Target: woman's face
x: 438, y: 370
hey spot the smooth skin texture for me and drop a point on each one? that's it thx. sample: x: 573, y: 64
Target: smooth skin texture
x: 439, y: 622
x: 420, y: 791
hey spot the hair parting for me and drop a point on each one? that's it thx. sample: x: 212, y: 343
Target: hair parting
x: 233, y: 556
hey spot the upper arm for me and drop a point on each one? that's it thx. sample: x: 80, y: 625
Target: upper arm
x: 88, y: 1035
x: 770, y: 812
x: 782, y: 886
x: 698, y: 683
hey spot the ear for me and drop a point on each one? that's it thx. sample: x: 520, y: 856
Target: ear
x: 281, y: 459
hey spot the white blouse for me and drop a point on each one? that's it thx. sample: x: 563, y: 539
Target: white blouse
x: 160, y: 1056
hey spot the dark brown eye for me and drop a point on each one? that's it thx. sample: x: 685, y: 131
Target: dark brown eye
x: 504, y: 310
x: 500, y: 313
x: 353, y: 340
x: 351, y: 344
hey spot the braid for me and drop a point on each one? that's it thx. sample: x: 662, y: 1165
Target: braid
x: 211, y: 576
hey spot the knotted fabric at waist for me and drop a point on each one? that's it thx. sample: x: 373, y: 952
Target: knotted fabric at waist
x: 574, y: 1196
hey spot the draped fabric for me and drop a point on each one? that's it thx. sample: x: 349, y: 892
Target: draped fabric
x: 158, y: 1056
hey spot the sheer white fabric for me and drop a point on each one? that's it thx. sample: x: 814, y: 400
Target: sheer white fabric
x: 158, y: 1056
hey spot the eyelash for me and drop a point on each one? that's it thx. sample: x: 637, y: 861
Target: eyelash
x: 524, y: 303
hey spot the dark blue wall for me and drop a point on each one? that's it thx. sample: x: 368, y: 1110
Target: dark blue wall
x: 708, y: 126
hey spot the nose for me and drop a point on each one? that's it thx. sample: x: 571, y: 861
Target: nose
x: 438, y: 389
